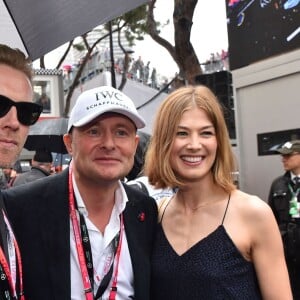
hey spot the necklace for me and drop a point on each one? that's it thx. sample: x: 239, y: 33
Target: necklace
x: 193, y: 209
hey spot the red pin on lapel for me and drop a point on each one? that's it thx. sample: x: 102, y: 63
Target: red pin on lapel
x: 142, y: 217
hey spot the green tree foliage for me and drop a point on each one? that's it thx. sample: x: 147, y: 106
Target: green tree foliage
x: 134, y: 26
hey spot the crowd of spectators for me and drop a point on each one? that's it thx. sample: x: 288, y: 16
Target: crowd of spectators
x: 217, y: 62
x: 138, y: 70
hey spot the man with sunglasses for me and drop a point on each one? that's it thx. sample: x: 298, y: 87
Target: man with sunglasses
x: 17, y: 113
x: 284, y: 199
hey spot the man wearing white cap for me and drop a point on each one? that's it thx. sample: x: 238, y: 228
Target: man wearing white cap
x: 284, y: 199
x: 83, y: 233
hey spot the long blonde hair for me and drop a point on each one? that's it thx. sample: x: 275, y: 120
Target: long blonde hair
x: 157, y: 162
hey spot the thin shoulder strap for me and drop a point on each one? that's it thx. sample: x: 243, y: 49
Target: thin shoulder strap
x: 162, y: 207
x: 226, y: 209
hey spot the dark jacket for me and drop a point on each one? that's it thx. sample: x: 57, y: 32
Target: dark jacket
x: 3, y: 230
x: 32, y: 175
x: 3, y: 242
x: 279, y: 200
x: 39, y: 212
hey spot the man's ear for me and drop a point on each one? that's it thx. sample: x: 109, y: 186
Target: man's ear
x: 68, y: 142
x: 137, y: 139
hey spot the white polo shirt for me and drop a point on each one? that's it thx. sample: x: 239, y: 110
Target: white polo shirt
x: 102, y: 251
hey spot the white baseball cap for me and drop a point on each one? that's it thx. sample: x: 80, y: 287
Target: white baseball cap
x: 95, y: 102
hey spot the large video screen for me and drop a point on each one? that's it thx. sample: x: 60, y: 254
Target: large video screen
x: 258, y: 29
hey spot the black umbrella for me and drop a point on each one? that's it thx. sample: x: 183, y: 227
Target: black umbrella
x: 38, y: 27
x: 48, y: 134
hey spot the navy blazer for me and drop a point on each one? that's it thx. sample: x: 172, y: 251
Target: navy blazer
x: 39, y: 213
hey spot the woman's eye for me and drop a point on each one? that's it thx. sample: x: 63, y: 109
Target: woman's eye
x: 181, y: 133
x: 207, y: 133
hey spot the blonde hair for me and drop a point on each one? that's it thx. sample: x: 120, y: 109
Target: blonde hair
x: 157, y: 162
x: 16, y: 59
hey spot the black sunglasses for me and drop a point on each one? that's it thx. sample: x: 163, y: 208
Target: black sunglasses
x: 27, y: 112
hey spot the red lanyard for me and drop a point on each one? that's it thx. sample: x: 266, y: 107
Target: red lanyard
x: 113, y: 291
x: 88, y: 289
x: 5, y: 265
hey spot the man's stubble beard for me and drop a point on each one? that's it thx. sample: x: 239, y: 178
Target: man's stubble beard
x: 7, y: 160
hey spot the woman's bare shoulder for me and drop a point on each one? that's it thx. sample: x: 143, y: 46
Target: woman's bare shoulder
x: 250, y: 205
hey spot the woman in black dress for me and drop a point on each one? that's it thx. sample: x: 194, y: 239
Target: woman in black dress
x: 213, y: 240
